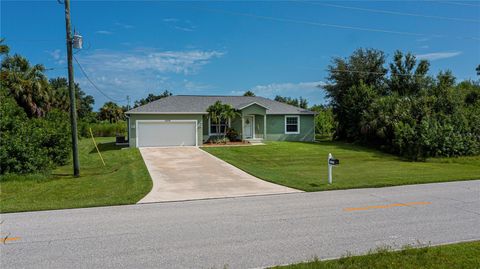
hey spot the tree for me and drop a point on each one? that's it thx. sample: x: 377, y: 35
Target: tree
x: 302, y: 103
x: 151, y: 97
x: 227, y: 114
x: 215, y: 114
x: 219, y: 112
x: 324, y: 121
x: 407, y: 78
x: 31, y: 145
x: 27, y: 84
x: 478, y: 70
x: 59, y: 87
x: 4, y: 49
x: 349, y: 78
x: 111, y: 112
x: 249, y: 93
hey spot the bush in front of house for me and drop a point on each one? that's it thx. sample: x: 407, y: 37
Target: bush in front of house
x: 218, y: 139
x: 31, y: 145
x: 232, y: 135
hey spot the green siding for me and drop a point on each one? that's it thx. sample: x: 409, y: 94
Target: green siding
x: 236, y: 124
x: 254, y: 110
x: 259, y: 126
x: 135, y: 117
x: 276, y: 128
x: 275, y: 125
x: 205, y: 127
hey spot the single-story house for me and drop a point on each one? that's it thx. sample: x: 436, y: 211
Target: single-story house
x: 182, y: 120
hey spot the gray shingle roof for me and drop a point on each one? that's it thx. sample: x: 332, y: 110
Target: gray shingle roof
x: 199, y: 104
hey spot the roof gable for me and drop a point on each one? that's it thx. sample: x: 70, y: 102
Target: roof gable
x: 242, y: 106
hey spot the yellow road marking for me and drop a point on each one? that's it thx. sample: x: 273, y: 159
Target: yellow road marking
x: 384, y: 206
x: 4, y: 240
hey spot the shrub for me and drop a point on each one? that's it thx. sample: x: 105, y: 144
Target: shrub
x: 218, y: 139
x: 232, y: 134
x: 31, y: 145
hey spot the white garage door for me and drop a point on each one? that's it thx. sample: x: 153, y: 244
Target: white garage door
x: 166, y: 133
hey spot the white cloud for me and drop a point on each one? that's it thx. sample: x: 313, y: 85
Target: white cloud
x: 185, y: 29
x: 123, y: 25
x: 138, y: 72
x: 311, y: 90
x: 282, y: 88
x: 170, y: 20
x: 438, y: 55
x: 181, y: 25
x: 179, y: 62
x: 103, y: 32
x: 423, y: 39
x: 191, y: 86
x: 57, y: 56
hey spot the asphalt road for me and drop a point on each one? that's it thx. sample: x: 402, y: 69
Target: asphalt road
x: 247, y: 232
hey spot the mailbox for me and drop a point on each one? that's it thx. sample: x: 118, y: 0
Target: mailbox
x: 333, y: 161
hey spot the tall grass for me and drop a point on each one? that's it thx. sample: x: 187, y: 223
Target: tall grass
x: 103, y: 129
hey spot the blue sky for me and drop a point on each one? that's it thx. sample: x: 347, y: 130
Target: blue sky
x: 273, y: 48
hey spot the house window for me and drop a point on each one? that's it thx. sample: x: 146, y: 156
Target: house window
x: 222, y: 125
x: 292, y: 124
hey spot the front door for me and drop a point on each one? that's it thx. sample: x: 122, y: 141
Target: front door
x: 248, y: 127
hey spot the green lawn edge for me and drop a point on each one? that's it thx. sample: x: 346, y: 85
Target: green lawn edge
x: 457, y: 255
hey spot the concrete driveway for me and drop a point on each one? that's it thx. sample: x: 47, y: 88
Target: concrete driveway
x: 189, y: 173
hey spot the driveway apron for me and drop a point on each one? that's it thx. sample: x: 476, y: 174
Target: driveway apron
x: 189, y: 173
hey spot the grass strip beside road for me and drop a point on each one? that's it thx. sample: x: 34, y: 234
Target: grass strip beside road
x: 460, y: 255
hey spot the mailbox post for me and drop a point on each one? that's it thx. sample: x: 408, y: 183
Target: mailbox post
x: 331, y: 163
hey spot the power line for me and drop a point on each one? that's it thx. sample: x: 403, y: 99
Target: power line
x: 54, y: 68
x: 338, y: 26
x: 459, y: 3
x: 392, y: 12
x: 369, y: 72
x: 93, y: 84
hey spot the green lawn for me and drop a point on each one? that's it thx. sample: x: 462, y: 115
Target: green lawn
x: 462, y: 255
x: 124, y: 180
x: 304, y: 165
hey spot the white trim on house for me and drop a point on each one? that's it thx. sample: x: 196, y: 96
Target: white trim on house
x: 252, y: 103
x: 314, y: 127
x: 265, y: 127
x: 167, y: 113
x: 253, y: 126
x: 298, y: 123
x: 166, y: 121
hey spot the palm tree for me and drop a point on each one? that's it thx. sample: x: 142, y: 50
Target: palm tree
x: 219, y: 112
x: 228, y: 113
x: 111, y: 112
x: 27, y: 84
x: 215, y: 114
x: 60, y: 93
x: 4, y: 49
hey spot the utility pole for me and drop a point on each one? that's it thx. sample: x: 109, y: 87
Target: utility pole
x: 71, y: 88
